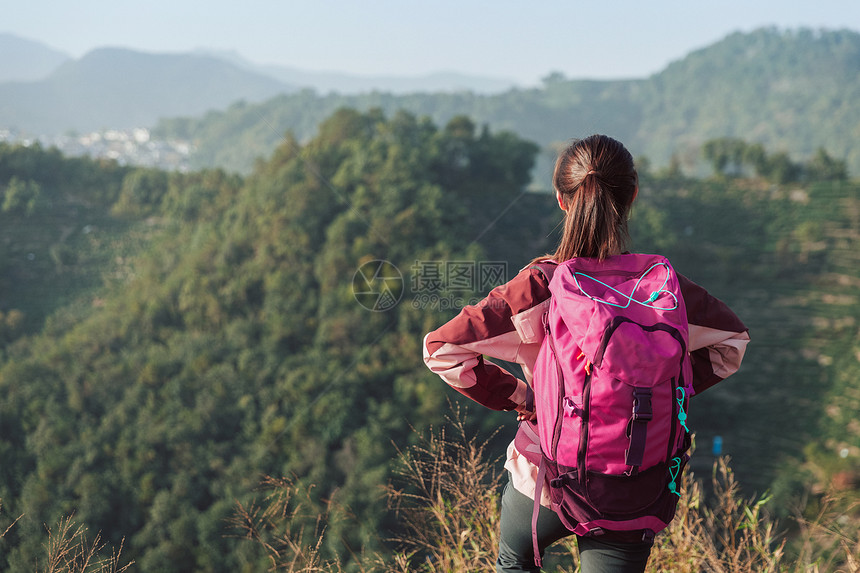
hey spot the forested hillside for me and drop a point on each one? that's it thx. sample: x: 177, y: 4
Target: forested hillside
x: 787, y: 259
x: 232, y: 346
x: 793, y: 91
x: 169, y: 339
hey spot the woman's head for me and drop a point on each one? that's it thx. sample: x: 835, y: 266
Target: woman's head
x: 596, y: 182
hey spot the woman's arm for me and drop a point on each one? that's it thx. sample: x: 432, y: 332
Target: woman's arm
x: 718, y: 338
x: 455, y: 351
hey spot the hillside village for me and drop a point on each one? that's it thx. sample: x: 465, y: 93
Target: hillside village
x: 134, y: 147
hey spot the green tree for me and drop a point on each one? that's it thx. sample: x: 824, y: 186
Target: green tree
x: 756, y: 157
x: 823, y: 167
x: 21, y: 196
x: 672, y: 171
x: 141, y: 192
x: 781, y: 169
x: 726, y: 155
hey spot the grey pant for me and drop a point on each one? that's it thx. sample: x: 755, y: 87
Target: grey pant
x: 596, y: 555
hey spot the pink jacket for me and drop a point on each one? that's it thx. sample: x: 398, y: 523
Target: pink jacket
x: 507, y: 325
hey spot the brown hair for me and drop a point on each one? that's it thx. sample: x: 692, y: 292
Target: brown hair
x: 597, y: 182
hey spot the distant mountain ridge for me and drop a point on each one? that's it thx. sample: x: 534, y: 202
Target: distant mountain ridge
x: 45, y: 92
x: 793, y: 91
x: 120, y: 88
x: 351, y: 84
x: 347, y: 83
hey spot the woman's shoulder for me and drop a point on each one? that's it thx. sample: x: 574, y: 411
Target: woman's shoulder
x: 528, y: 288
x: 541, y: 267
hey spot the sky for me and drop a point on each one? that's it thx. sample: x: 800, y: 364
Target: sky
x: 518, y: 40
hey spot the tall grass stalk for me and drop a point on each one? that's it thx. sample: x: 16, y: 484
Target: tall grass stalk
x: 70, y: 551
x: 11, y: 525
x: 277, y: 526
x: 830, y: 539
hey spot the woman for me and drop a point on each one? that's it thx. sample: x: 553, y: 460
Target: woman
x: 595, y: 183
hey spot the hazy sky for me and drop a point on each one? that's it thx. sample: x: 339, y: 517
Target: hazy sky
x: 518, y: 40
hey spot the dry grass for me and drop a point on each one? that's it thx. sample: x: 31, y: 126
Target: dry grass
x: 449, y: 507
x: 450, y: 519
x: 449, y: 515
x: 731, y: 535
x: 11, y: 525
x: 830, y: 540
x: 69, y: 550
x: 447, y: 504
x: 277, y: 526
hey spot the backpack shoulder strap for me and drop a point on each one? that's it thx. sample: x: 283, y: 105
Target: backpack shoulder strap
x: 546, y: 267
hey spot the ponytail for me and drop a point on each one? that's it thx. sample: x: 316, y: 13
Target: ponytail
x: 597, y: 182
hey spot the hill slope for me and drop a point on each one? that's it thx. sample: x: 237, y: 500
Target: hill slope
x: 234, y: 346
x: 227, y: 340
x: 793, y: 91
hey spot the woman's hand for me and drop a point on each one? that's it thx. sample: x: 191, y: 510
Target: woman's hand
x: 524, y: 414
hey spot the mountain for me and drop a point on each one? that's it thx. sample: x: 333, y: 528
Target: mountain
x: 27, y: 60
x: 792, y: 91
x: 120, y: 88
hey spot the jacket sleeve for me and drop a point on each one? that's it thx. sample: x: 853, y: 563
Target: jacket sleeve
x: 455, y: 351
x: 718, y: 338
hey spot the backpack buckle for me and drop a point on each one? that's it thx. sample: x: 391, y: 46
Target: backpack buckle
x: 571, y: 408
x: 563, y: 479
x: 638, y: 428
x: 642, y: 404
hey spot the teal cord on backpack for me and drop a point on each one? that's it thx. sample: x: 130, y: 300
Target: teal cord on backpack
x: 629, y: 297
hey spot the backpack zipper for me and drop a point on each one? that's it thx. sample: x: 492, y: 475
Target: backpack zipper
x: 556, y: 433
x: 583, y: 433
x: 673, y: 428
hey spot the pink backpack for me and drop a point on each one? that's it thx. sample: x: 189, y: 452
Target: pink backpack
x: 611, y: 385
